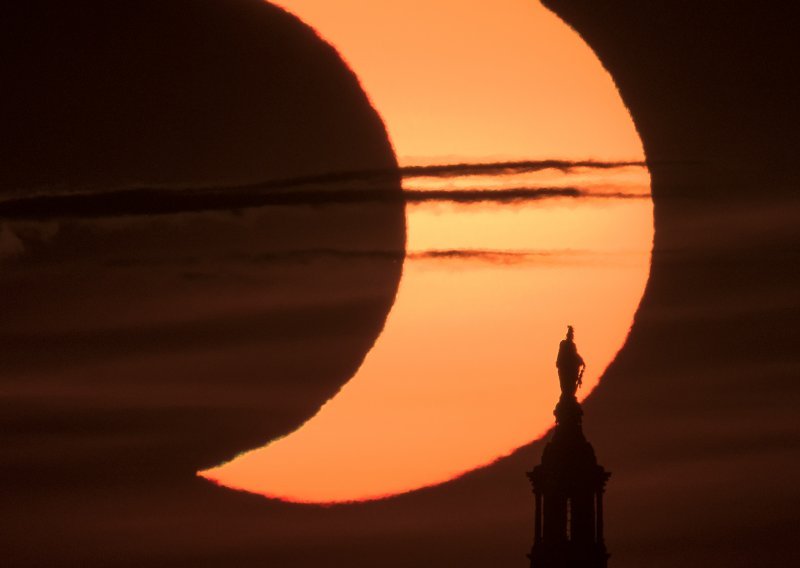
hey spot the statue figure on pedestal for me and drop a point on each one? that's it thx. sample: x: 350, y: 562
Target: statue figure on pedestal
x: 568, y: 484
x: 570, y: 365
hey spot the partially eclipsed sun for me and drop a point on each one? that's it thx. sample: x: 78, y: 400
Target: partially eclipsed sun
x: 463, y: 372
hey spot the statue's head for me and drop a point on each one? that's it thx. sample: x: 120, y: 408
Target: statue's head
x: 570, y: 332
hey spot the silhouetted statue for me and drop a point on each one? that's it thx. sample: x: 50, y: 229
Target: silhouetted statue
x: 568, y: 484
x: 570, y: 364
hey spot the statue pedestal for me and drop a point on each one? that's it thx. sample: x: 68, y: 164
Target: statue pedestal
x: 568, y: 486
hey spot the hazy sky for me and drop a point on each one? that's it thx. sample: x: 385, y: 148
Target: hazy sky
x: 164, y: 309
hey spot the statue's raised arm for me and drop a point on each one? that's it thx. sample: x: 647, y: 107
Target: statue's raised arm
x: 570, y: 364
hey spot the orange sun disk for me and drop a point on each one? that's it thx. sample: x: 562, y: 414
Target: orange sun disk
x: 463, y: 373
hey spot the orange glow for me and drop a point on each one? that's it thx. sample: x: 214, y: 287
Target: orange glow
x: 463, y: 372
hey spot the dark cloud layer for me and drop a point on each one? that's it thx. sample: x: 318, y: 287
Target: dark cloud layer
x: 162, y: 201
x: 357, y: 186
x: 446, y: 171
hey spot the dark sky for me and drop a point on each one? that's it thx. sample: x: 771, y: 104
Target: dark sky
x: 696, y: 418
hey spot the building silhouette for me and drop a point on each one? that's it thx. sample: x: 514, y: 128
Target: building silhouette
x: 568, y: 486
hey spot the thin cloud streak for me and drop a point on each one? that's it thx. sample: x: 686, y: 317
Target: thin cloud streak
x: 333, y: 188
x: 303, y: 256
x: 505, y: 168
x: 392, y: 176
x: 504, y: 257
x: 135, y: 202
x: 483, y: 255
x: 444, y: 171
x: 512, y: 195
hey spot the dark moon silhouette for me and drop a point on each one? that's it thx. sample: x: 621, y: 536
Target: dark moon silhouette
x: 182, y: 92
x: 190, y: 335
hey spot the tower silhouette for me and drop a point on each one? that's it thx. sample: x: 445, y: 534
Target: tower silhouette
x: 568, y: 486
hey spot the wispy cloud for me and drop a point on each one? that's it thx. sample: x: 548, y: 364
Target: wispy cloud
x: 332, y: 189
x: 303, y: 256
x: 481, y: 255
x: 158, y: 202
x: 488, y: 256
x: 511, y: 195
x: 446, y: 171
x: 504, y: 168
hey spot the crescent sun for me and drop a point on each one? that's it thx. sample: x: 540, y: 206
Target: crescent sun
x: 463, y: 373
